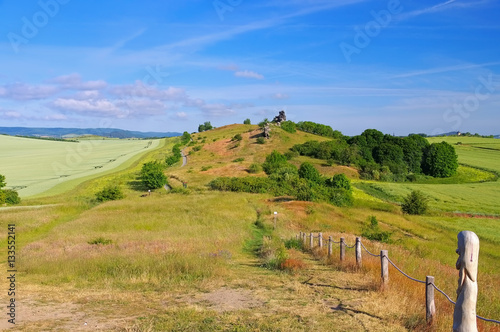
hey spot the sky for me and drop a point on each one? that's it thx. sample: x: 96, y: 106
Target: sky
x: 397, y: 66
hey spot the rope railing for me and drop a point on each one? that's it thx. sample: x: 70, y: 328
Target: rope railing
x: 369, y: 253
x: 407, y: 276
x: 383, y: 255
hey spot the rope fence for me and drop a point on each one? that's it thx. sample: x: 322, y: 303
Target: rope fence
x: 385, y: 261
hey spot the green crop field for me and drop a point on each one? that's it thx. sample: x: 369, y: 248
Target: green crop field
x: 32, y: 167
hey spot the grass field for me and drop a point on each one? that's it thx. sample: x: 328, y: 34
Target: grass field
x: 32, y: 167
x: 187, y: 262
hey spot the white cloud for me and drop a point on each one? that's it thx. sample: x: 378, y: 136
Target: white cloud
x: 249, y: 74
x: 141, y: 90
x: 74, y: 82
x: 21, y: 91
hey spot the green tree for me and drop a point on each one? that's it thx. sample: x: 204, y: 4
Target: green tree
x: 152, y: 175
x: 186, y: 137
x: 201, y: 128
x: 2, y: 181
x: 440, y: 160
x: 415, y: 203
x: 247, y: 122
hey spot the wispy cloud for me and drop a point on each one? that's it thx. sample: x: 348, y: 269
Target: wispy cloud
x: 445, y: 69
x: 428, y: 10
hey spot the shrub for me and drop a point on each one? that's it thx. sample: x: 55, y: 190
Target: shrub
x: 152, y: 175
x: 288, y: 126
x: 205, y: 168
x: 309, y: 172
x: 274, y: 161
x: 339, y: 181
x: 11, y: 197
x: 237, y: 137
x: 291, y: 154
x: 110, y: 193
x: 293, y: 244
x: 261, y: 140
x: 372, y: 231
x: 415, y: 203
x: 100, y: 241
x: 254, y: 168
x: 237, y: 160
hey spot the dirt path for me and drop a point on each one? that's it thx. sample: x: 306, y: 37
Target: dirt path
x: 184, y: 157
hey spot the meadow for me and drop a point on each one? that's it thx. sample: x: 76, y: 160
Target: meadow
x: 190, y: 259
x: 33, y: 167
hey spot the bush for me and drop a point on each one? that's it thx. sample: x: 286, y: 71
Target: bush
x: 309, y: 172
x: 237, y: 160
x: 8, y: 196
x: 372, y: 231
x: 152, y: 175
x: 415, y: 203
x: 110, y: 193
x: 339, y: 181
x: 261, y: 140
x: 274, y: 161
x: 237, y: 137
x: 288, y: 126
x: 254, y: 168
x: 100, y: 241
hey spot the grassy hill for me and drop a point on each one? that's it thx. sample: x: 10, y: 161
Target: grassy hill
x: 195, y: 259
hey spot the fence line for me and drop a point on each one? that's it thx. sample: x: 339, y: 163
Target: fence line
x: 384, y: 270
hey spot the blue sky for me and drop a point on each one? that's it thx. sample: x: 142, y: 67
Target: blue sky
x: 397, y: 66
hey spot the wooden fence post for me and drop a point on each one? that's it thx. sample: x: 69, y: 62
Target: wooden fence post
x: 358, y: 252
x: 330, y: 246
x: 304, y: 241
x: 342, y: 249
x: 320, y: 240
x: 384, y: 266
x: 430, y: 306
x: 311, y: 241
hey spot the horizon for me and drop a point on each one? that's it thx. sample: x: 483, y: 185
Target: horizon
x: 428, y: 67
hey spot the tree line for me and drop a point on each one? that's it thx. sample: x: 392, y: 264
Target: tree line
x: 385, y: 157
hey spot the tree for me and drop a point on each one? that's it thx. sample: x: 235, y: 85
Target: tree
x: 247, y: 122
x: 414, y: 203
x: 440, y: 160
x: 201, y: 128
x: 186, y: 137
x: 152, y: 175
x: 2, y: 181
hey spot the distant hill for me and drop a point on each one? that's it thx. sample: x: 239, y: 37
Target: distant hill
x: 74, y: 132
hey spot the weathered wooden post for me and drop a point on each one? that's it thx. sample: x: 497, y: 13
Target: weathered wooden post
x: 311, y: 241
x: 342, y: 249
x: 275, y: 219
x: 320, y: 240
x: 464, y: 315
x: 358, y: 253
x: 330, y: 246
x: 430, y: 306
x: 384, y: 266
x: 304, y: 239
